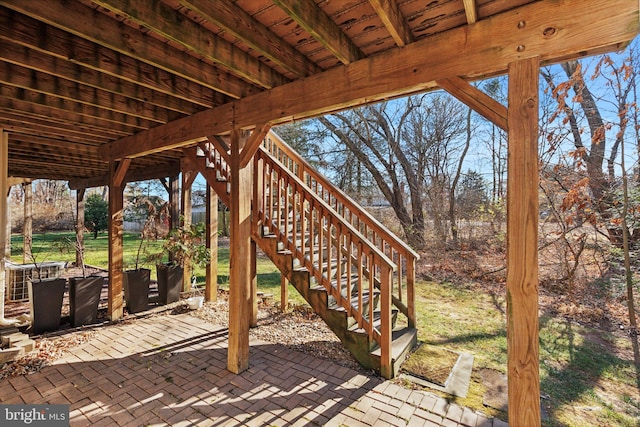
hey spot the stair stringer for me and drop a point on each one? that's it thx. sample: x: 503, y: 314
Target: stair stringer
x: 364, y: 349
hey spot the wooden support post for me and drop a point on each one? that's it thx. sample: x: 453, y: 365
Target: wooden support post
x: 240, y: 259
x: 522, y: 245
x: 7, y: 246
x: 174, y: 201
x: 211, y: 287
x: 80, y: 227
x: 115, y: 309
x: 4, y: 188
x: 27, y: 229
x: 187, y: 181
x: 284, y: 293
x: 253, y: 295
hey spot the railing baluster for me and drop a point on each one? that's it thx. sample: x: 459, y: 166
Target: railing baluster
x: 385, y: 321
x: 299, y: 204
x: 359, y: 280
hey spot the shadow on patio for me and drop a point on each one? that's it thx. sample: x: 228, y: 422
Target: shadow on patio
x: 170, y: 369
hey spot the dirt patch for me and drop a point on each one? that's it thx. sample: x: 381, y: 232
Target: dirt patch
x: 496, y: 385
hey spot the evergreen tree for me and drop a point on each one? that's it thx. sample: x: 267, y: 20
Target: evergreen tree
x: 96, y: 214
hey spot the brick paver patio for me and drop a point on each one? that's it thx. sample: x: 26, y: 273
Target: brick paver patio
x: 171, y: 370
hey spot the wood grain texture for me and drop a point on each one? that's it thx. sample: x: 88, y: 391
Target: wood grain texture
x: 316, y: 22
x: 86, y: 23
x: 580, y: 26
x: 4, y: 192
x: 188, y: 176
x: 171, y: 24
x: 479, y: 101
x: 470, y: 11
x: 115, y: 305
x: 522, y: 245
x: 211, y: 212
x: 252, y: 144
x: 117, y: 179
x: 234, y: 20
x: 39, y: 61
x: 390, y: 14
x: 55, y: 42
x: 79, y: 225
x: 239, y: 260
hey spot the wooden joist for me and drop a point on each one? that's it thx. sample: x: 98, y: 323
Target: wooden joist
x: 552, y: 31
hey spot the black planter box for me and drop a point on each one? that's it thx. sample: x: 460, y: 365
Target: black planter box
x: 136, y: 289
x: 84, y: 296
x: 46, y: 304
x: 169, y: 282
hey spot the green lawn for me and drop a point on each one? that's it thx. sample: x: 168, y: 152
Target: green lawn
x: 46, y: 248
x: 587, y: 375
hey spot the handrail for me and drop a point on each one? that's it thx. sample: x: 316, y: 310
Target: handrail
x: 399, y: 252
x: 299, y: 166
x: 324, y: 234
x: 307, y: 225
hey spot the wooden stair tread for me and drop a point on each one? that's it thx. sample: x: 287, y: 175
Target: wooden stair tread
x: 401, y: 340
x: 376, y: 321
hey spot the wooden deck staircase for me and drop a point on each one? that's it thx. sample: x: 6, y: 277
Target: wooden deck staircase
x: 354, y: 273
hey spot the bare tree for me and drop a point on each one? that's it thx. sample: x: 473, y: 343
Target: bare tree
x: 406, y: 148
x: 584, y: 106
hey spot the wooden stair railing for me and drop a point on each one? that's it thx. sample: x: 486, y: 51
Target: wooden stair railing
x: 337, y: 256
x: 399, y: 252
x: 349, y: 257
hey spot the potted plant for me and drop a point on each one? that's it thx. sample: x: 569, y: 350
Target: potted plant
x: 84, y: 292
x: 186, y: 246
x: 136, y: 281
x: 45, y: 296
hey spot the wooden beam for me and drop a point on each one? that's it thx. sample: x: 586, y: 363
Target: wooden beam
x: 90, y: 56
x: 211, y: 286
x: 98, y: 28
x: 239, y: 261
x: 117, y: 177
x: 71, y: 109
x: 15, y: 75
x: 322, y: 28
x: 162, y: 171
x: 44, y: 63
x: 239, y: 24
x: 115, y: 306
x: 390, y: 14
x: 479, y: 101
x: 522, y: 245
x: 253, y: 142
x: 174, y: 26
x: 554, y: 31
x: 471, y: 11
x: 27, y: 228
x: 65, y: 127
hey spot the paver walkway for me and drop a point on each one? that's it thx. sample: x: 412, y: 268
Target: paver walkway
x: 171, y: 370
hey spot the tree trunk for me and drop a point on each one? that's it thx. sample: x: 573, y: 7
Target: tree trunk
x: 453, y: 223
